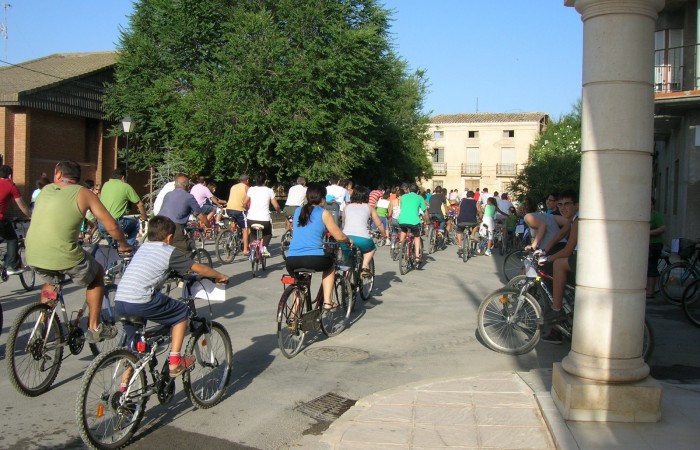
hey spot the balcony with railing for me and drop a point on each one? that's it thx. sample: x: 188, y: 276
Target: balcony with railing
x: 471, y: 169
x: 506, y: 170
x: 671, y: 74
x: 439, y: 168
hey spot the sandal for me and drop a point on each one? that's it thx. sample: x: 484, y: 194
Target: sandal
x: 328, y: 307
x: 365, y: 272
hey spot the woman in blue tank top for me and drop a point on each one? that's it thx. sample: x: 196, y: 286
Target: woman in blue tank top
x: 306, y: 249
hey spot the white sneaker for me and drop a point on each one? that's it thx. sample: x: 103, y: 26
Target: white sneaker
x: 265, y: 253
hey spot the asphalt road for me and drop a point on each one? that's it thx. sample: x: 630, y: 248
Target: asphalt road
x: 418, y: 326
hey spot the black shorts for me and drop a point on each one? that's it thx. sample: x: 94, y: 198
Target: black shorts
x: 464, y: 225
x: 316, y: 263
x: 415, y: 229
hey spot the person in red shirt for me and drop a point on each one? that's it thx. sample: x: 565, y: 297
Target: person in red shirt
x: 8, y: 191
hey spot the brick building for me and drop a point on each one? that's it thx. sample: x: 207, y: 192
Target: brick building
x: 51, y: 110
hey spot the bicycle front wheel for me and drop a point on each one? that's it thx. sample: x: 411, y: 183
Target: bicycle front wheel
x: 107, y: 417
x: 108, y: 316
x: 203, y: 257
x: 691, y: 302
x: 675, y: 279
x: 367, y: 282
x: 508, y: 325
x: 286, y: 241
x: 226, y: 246
x: 333, y: 321
x: 206, y: 383
x: 27, y: 278
x: 34, y: 350
x: 513, y: 264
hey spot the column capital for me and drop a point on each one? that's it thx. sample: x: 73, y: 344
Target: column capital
x: 592, y: 8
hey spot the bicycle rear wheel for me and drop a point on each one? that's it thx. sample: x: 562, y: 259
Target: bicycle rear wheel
x: 108, y: 316
x: 507, y: 328
x: 333, y: 321
x: 205, y: 384
x: 513, y: 264
x: 432, y: 240
x: 367, y: 282
x: 34, y: 353
x: 291, y: 307
x: 203, y: 257
x: 226, y: 246
x: 106, y: 417
x: 27, y: 278
x: 286, y: 241
x: 691, y: 302
x: 675, y: 279
x: 466, y: 246
x: 404, y: 258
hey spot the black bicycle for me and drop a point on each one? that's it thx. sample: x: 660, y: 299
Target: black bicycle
x: 115, y: 389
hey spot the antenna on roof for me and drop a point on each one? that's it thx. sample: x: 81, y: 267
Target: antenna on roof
x: 477, y: 105
x: 3, y: 26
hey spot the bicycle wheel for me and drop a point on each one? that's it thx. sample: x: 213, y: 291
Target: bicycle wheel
x: 203, y: 257
x: 432, y: 240
x: 291, y: 306
x: 466, y: 246
x: 33, y: 353
x: 503, y: 248
x: 226, y: 246
x: 333, y: 321
x: 367, y: 282
x: 286, y: 241
x: 395, y: 250
x: 507, y: 327
x: 648, y: 341
x: 255, y: 256
x: 263, y: 262
x: 513, y: 264
x: 404, y: 258
x: 675, y: 279
x: 206, y: 383
x: 29, y: 277
x: 108, y: 316
x: 106, y: 417
x: 691, y: 302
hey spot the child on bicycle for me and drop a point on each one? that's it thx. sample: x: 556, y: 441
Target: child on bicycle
x: 138, y: 292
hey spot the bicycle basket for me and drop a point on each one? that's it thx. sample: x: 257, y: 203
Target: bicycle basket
x: 686, y: 247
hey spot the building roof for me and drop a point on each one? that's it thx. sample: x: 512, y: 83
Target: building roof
x: 42, y: 73
x: 488, y: 117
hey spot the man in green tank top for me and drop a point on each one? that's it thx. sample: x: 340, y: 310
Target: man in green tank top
x: 52, y: 242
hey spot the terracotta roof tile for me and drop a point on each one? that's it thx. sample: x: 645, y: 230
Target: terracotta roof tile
x: 488, y: 117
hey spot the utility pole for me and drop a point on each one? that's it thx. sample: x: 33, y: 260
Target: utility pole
x: 3, y: 26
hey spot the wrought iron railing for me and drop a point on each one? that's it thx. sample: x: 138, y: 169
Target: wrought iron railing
x: 469, y: 169
x: 439, y: 168
x: 670, y: 71
x: 507, y: 170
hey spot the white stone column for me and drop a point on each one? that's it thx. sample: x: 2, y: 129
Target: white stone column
x: 604, y: 377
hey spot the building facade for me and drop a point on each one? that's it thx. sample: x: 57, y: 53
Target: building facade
x: 676, y: 166
x: 470, y: 151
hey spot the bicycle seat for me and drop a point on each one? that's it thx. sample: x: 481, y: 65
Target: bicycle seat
x: 257, y: 226
x: 303, y: 271
x: 137, y: 321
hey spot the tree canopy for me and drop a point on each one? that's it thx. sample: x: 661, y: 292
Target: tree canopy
x: 290, y: 88
x: 555, y: 159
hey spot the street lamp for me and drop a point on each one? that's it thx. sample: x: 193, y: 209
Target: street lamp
x: 127, y: 125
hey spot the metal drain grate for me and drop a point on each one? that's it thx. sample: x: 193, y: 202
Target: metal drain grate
x: 327, y: 407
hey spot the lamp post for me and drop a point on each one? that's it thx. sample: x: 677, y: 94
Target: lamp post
x: 127, y: 125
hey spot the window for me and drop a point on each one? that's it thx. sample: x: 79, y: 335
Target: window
x: 438, y: 135
x: 438, y: 155
x: 508, y: 133
x: 473, y: 135
x: 508, y: 164
x: 473, y: 164
x: 668, y: 60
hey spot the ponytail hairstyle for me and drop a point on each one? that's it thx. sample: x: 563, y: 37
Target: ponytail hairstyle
x: 315, y: 194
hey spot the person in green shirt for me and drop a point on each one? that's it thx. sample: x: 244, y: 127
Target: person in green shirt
x: 116, y: 196
x: 412, y: 205
x: 656, y: 245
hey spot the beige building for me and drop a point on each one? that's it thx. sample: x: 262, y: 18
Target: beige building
x: 480, y: 150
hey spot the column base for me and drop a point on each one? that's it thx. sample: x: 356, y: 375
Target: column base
x: 592, y: 401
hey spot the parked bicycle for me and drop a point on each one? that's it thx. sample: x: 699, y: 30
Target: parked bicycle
x: 691, y: 302
x: 510, y: 319
x: 678, y: 276
x: 34, y: 351
x: 298, y: 315
x: 257, y: 258
x: 108, y: 414
x: 27, y: 276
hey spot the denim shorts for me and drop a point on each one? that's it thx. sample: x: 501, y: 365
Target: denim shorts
x: 82, y: 274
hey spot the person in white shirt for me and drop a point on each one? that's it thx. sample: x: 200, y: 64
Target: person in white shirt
x: 168, y: 187
x: 335, y: 192
x: 296, y: 197
x: 503, y: 204
x: 484, y: 197
x: 261, y: 197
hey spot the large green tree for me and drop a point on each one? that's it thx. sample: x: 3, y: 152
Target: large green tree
x: 291, y: 88
x: 555, y: 159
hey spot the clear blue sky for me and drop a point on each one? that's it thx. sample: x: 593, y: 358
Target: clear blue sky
x: 504, y: 55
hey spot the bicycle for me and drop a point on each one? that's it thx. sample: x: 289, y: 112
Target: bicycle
x: 678, y: 276
x: 362, y: 284
x: 510, y: 319
x: 466, y: 251
x: 27, y: 277
x: 394, y: 239
x: 229, y: 243
x: 480, y: 243
x: 199, y: 254
x: 35, y: 344
x: 407, y: 255
x: 436, y: 238
x: 378, y: 238
x: 298, y: 315
x: 257, y: 258
x: 108, y: 415
x: 690, y: 303
x: 513, y: 263
x: 287, y: 238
